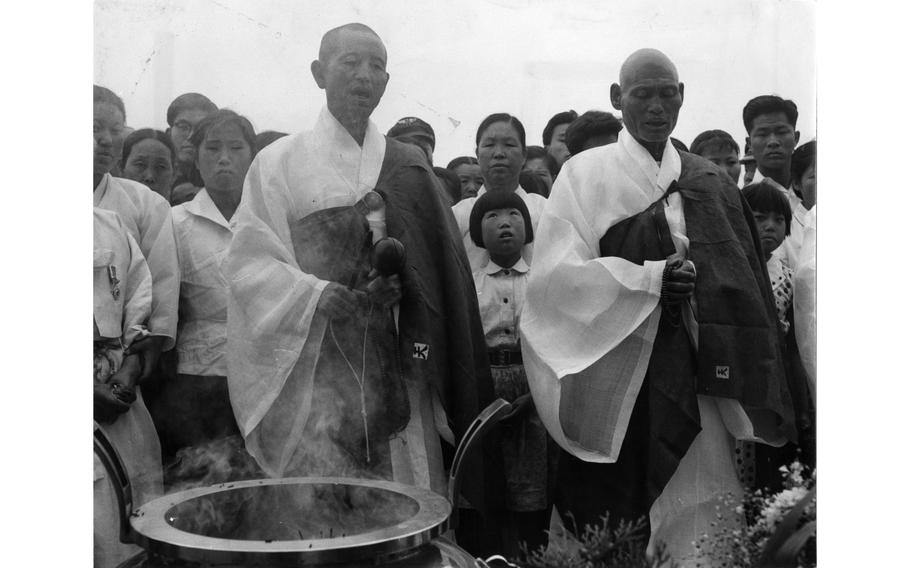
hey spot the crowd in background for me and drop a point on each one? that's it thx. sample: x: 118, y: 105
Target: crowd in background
x: 166, y: 204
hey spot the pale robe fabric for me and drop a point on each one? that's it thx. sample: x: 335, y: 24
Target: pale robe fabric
x: 788, y: 251
x: 133, y: 433
x: 147, y: 217
x: 804, y: 301
x: 271, y: 303
x: 203, y: 237
x: 588, y: 318
x: 478, y: 256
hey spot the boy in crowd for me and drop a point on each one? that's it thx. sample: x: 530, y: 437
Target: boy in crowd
x: 183, y: 114
x: 720, y: 148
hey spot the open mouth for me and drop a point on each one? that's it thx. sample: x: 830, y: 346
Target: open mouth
x: 505, y: 235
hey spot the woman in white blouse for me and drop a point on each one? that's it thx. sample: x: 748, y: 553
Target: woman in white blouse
x: 199, y: 413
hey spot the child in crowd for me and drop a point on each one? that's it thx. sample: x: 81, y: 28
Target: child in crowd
x: 720, y: 148
x: 773, y: 217
x: 500, y: 222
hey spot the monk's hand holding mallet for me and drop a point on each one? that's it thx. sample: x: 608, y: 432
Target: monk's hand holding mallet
x: 383, y: 290
x: 338, y: 301
x: 678, y: 279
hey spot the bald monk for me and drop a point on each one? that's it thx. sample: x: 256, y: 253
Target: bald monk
x: 335, y: 367
x: 649, y: 333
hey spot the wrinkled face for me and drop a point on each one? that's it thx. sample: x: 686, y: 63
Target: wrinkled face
x: 772, y: 228
x: 354, y: 76
x: 773, y: 140
x: 728, y: 161
x: 650, y: 101
x: 108, y: 136
x: 224, y: 157
x: 557, y: 147
x: 806, y: 186
x: 501, y: 155
x: 183, y: 126
x: 503, y: 231
x: 149, y: 163
x: 470, y: 178
x: 538, y: 167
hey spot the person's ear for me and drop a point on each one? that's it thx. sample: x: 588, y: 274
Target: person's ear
x: 796, y: 137
x: 616, y: 96
x: 681, y: 89
x: 318, y: 71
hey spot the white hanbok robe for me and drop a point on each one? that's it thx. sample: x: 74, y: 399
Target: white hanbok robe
x: 588, y: 317
x: 804, y: 302
x: 478, y: 256
x: 147, y: 217
x: 120, y: 310
x: 272, y: 319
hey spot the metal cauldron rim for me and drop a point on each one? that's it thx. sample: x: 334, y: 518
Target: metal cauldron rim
x: 156, y: 535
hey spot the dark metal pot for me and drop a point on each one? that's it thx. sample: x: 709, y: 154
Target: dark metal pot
x: 299, y: 521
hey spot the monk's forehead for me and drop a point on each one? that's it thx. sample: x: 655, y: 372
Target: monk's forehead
x: 647, y: 67
x: 345, y: 40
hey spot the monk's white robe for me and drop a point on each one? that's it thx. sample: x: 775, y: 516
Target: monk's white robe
x: 478, y: 256
x: 272, y: 319
x: 119, y: 311
x: 147, y: 217
x: 595, y: 318
x: 804, y: 298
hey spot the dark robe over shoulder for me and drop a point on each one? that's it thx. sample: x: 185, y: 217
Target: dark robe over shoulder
x: 738, y: 353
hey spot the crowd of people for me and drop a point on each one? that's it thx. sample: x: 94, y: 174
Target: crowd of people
x: 331, y: 303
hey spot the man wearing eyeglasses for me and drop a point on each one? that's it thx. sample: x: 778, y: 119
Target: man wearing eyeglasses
x: 183, y: 114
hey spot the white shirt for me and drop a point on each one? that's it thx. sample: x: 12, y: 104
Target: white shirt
x: 478, y: 256
x: 500, y: 296
x: 147, y: 217
x: 203, y: 236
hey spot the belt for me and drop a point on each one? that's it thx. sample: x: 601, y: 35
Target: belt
x: 503, y: 357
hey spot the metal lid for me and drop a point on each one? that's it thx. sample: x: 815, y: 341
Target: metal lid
x: 166, y: 526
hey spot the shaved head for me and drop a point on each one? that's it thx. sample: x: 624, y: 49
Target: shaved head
x: 329, y: 43
x: 645, y: 60
x: 649, y: 95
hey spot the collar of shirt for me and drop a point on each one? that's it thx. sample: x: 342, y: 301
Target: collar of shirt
x: 99, y: 192
x: 519, y: 191
x: 203, y: 206
x: 492, y: 268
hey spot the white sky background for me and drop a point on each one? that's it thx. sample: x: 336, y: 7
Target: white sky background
x: 454, y: 62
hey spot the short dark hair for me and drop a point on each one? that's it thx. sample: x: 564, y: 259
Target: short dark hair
x: 188, y: 101
x: 104, y: 95
x: 538, y: 152
x: 413, y: 127
x: 330, y: 38
x: 138, y: 136
x: 765, y: 198
x: 224, y: 116
x: 767, y: 104
x: 714, y: 139
x: 564, y: 117
x: 589, y: 124
x: 497, y: 200
x: 450, y: 182
x: 502, y: 117
x: 266, y: 137
x: 461, y: 160
x: 802, y: 158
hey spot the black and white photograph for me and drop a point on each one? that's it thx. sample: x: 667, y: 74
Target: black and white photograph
x: 458, y: 283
